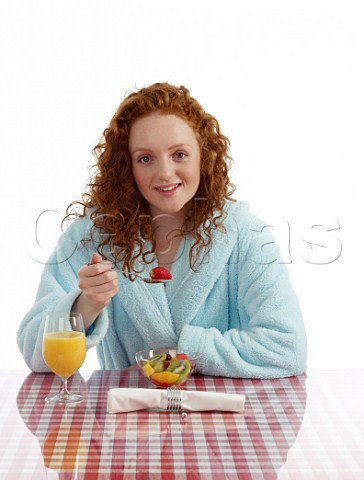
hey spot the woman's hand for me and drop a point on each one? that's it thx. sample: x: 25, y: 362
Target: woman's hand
x: 98, y: 284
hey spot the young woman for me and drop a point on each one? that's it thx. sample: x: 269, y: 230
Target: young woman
x: 161, y: 195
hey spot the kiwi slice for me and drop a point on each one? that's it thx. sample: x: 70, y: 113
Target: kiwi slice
x: 160, y: 357
x: 173, y: 364
x: 158, y: 366
x: 181, y: 367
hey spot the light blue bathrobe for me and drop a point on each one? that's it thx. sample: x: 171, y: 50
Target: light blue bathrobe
x: 238, y: 313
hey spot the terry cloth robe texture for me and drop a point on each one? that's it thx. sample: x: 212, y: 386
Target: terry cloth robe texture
x: 238, y: 313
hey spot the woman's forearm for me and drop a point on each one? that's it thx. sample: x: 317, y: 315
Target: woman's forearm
x: 88, y: 311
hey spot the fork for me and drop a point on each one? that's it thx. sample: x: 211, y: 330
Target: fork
x: 174, y: 399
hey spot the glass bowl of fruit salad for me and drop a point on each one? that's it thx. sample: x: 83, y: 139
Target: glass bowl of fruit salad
x: 165, y: 367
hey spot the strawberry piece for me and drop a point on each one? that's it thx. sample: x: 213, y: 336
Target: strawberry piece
x: 160, y: 273
x: 161, y: 385
x: 181, y: 356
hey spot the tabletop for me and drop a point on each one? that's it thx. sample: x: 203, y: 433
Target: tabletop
x: 305, y: 427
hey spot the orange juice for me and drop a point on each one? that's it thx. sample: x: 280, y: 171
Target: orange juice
x: 64, y: 352
x: 64, y: 448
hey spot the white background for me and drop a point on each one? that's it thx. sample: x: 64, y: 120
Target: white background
x: 284, y: 78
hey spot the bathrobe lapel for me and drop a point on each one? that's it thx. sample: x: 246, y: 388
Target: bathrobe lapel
x: 188, y: 290
x: 160, y: 311
x: 148, y: 309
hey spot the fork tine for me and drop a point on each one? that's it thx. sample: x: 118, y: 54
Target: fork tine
x: 174, y: 399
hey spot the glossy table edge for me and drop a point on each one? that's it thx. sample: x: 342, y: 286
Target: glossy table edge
x: 315, y: 420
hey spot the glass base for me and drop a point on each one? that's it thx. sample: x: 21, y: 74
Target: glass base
x: 64, y: 398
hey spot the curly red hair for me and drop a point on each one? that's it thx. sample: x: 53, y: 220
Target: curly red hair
x: 113, y: 199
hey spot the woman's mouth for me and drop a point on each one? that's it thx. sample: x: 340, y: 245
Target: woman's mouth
x: 168, y: 189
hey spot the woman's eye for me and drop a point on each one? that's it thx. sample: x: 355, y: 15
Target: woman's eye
x: 180, y: 155
x: 144, y: 159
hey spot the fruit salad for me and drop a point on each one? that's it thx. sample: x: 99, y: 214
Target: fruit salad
x: 164, y: 370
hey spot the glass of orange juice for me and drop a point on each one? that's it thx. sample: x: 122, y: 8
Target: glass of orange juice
x: 64, y: 351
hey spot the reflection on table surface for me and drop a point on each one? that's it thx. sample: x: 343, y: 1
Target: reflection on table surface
x: 298, y: 427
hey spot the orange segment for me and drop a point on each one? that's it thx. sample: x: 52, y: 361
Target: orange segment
x: 165, y: 377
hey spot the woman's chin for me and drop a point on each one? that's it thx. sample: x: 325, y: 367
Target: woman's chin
x: 168, y: 208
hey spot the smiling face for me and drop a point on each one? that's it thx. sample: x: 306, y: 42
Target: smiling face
x: 166, y: 162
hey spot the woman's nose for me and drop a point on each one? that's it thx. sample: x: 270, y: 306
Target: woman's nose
x: 166, y: 168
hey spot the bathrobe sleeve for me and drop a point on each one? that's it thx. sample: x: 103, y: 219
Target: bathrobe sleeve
x: 57, y: 291
x: 268, y: 340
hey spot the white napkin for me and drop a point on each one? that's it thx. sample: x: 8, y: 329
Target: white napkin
x: 130, y: 399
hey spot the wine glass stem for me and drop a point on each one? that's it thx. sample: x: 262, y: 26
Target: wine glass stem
x: 64, y: 390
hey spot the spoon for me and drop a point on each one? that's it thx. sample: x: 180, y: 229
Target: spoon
x: 144, y: 279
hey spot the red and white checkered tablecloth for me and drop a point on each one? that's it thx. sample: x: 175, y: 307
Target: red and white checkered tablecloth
x: 294, y: 428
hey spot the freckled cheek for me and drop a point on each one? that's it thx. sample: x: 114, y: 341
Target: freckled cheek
x: 194, y: 176
x: 140, y: 180
x: 144, y: 185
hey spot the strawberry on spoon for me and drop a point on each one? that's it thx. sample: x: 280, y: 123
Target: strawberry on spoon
x: 160, y: 273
